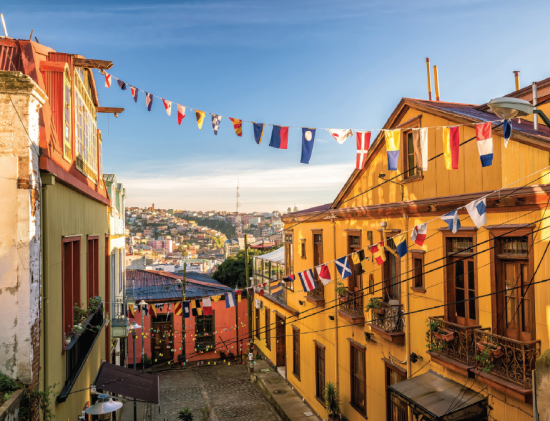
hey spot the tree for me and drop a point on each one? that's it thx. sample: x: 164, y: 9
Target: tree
x: 232, y: 271
x: 218, y: 242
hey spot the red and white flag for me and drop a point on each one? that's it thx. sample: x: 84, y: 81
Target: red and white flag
x: 167, y: 106
x: 207, y: 306
x: 181, y: 113
x: 323, y: 273
x: 107, y: 80
x: 363, y: 145
x: 308, y: 280
x: 419, y: 233
x: 340, y: 134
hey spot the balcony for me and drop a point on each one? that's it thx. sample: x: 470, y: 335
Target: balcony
x: 387, y: 321
x: 119, y: 320
x: 351, y: 307
x: 77, y: 351
x: 510, y: 366
x: 317, y: 296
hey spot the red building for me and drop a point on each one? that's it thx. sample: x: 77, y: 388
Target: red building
x: 226, y: 330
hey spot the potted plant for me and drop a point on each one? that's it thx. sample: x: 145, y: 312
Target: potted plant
x: 374, y: 303
x: 484, y: 360
x: 494, y: 350
x: 434, y: 345
x: 94, y: 304
x: 342, y: 292
x: 332, y: 401
x: 68, y: 339
x: 76, y: 330
x: 444, y: 334
x: 79, y: 314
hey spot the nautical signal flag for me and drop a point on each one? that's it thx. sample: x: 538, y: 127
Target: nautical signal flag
x: 363, y: 145
x: 258, y: 132
x: 237, y: 125
x: 196, y: 308
x: 279, y: 137
x: 477, y: 209
x: 308, y: 137
x: 216, y: 298
x: 357, y: 258
x: 200, y: 118
x: 107, y: 80
x: 484, y: 135
x: 167, y: 106
x: 393, y: 143
x: 420, y: 146
x: 131, y: 310
x: 308, y: 280
x: 121, y: 84
x: 290, y: 278
x: 186, y: 310
x: 419, y: 233
x: 452, y: 220
x: 178, y: 309
x: 507, y: 130
x: 340, y: 134
x: 378, y: 253
x: 323, y: 273
x: 181, y: 113
x: 216, y: 120
x: 207, y: 306
x: 401, y: 242
x: 153, y: 309
x: 451, y: 144
x: 277, y: 288
x: 229, y: 299
x: 343, y: 267
x: 134, y: 92
x: 239, y: 293
x: 148, y: 100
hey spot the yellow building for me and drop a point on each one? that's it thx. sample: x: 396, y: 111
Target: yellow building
x: 376, y: 338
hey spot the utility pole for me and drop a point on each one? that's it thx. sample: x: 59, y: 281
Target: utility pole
x: 183, y: 332
x: 250, y: 335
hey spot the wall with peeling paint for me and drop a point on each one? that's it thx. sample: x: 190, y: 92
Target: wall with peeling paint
x: 20, y: 102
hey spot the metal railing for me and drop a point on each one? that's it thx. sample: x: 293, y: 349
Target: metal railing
x: 516, y: 359
x: 388, y: 317
x: 317, y: 293
x: 352, y: 303
x: 77, y: 351
x: 463, y: 347
x: 118, y: 313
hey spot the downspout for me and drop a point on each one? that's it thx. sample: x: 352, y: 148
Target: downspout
x: 407, y: 315
x: 336, y: 306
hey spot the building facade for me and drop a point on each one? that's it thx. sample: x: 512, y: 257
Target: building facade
x: 415, y: 326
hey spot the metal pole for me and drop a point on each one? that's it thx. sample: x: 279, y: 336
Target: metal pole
x: 135, y: 369
x: 250, y: 335
x: 183, y: 332
x: 142, y: 342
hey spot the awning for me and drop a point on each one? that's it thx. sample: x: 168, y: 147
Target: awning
x: 127, y: 382
x: 277, y: 256
x: 440, y: 398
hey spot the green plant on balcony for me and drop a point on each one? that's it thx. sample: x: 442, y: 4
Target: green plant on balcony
x: 79, y: 314
x: 76, y: 330
x: 484, y: 360
x: 342, y: 292
x: 94, y: 304
x: 374, y: 303
x: 434, y: 345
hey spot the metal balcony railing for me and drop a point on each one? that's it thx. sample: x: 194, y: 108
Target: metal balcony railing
x: 388, y: 317
x: 462, y: 347
x: 118, y: 313
x: 352, y: 303
x: 317, y: 293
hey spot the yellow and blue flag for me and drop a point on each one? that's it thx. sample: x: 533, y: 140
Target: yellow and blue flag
x: 277, y: 288
x: 393, y: 143
x: 258, y: 132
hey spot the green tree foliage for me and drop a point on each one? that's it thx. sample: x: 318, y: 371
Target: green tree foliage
x: 232, y: 272
x: 218, y: 242
x: 217, y: 224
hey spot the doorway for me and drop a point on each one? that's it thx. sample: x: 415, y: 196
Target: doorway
x: 281, y: 344
x: 396, y: 408
x: 161, y: 349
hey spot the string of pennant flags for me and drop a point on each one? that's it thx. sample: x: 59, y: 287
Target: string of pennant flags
x: 279, y: 134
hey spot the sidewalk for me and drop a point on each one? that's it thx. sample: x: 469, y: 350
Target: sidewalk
x: 285, y: 400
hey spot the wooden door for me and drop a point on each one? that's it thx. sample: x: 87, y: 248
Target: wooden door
x: 464, y: 288
x: 162, y: 348
x: 517, y: 310
x: 396, y: 409
x: 280, y: 341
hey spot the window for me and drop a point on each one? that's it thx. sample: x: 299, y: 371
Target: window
x: 71, y: 279
x: 121, y: 269
x: 289, y: 263
x: 85, y: 126
x: 396, y: 408
x: 319, y: 371
x: 100, y: 156
x: 92, y: 266
x: 319, y: 292
x: 204, y: 330
x: 371, y: 284
x: 358, y: 374
x: 296, y: 352
x: 258, y: 323
x: 303, y: 248
x: 354, y: 245
x: 410, y: 162
x: 267, y: 329
x: 418, y: 263
x: 392, y: 287
x: 107, y: 277
x: 67, y: 102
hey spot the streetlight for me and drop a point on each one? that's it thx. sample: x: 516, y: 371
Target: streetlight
x: 143, y: 305
x: 133, y: 327
x: 104, y: 405
x: 507, y: 108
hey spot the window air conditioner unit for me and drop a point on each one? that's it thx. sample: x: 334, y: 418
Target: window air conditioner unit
x: 258, y: 303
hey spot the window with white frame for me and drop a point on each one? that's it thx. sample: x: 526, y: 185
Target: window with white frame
x: 85, y: 127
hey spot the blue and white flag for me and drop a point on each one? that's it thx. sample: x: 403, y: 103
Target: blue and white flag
x: 477, y: 209
x: 148, y: 100
x: 186, y: 309
x: 121, y: 84
x: 308, y: 137
x: 229, y: 299
x: 507, y: 129
x: 216, y: 120
x: 344, y: 269
x: 452, y: 220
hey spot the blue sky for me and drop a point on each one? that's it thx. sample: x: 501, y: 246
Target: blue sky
x: 339, y: 64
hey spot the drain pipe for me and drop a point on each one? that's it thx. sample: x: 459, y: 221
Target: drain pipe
x: 336, y: 306
x: 407, y: 314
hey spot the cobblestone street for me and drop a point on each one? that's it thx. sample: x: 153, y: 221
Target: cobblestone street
x: 226, y: 390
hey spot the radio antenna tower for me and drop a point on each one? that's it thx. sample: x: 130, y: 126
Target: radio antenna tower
x: 238, y: 225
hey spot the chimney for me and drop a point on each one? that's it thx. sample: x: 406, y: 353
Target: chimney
x: 535, y: 116
x: 436, y: 84
x: 429, y: 80
x: 516, y: 77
